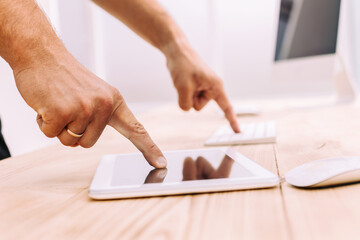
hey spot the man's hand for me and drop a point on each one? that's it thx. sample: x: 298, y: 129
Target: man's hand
x: 67, y: 96
x: 193, y: 79
x: 197, y: 84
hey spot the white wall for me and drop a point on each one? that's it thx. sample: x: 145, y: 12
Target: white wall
x: 239, y: 48
x: 248, y: 32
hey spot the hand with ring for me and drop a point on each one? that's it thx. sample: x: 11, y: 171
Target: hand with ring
x: 74, y: 134
x: 75, y: 106
x: 72, y: 103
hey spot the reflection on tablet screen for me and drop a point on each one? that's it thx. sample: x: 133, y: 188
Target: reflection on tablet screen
x: 134, y: 170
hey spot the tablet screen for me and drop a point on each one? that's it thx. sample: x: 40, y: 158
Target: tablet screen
x: 133, y: 170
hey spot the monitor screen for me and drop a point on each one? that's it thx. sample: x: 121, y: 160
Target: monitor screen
x: 307, y: 28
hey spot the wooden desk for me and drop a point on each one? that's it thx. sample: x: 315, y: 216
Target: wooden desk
x: 44, y: 194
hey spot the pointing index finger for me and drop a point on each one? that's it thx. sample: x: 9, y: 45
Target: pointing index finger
x: 125, y: 123
x: 225, y: 105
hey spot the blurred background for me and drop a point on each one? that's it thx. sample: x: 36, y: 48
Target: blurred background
x: 237, y: 38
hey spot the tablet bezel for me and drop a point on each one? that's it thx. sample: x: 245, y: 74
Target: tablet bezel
x: 101, y: 189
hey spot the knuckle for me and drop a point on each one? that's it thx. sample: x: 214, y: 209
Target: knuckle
x: 111, y: 100
x: 116, y: 94
x: 86, y: 144
x: 217, y: 87
x: 183, y: 87
x: 88, y: 141
x: 66, y: 142
x: 153, y: 147
x: 184, y: 106
x: 62, y: 113
x: 218, y: 81
x: 49, y: 134
x: 86, y: 109
x: 197, y: 108
x: 217, y: 95
x: 106, y: 104
x: 137, y: 129
x: 194, y: 75
x: 48, y: 125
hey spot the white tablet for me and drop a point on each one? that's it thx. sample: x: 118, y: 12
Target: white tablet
x: 189, y: 171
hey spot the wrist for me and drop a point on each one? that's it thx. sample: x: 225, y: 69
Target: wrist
x: 40, y: 52
x: 176, y: 48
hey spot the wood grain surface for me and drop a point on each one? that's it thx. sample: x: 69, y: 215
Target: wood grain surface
x: 44, y: 193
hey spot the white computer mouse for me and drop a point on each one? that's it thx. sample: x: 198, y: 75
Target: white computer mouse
x: 325, y: 172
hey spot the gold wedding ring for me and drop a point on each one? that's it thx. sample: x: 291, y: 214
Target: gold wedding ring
x: 74, y: 134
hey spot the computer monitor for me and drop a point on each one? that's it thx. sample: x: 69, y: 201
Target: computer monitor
x: 306, y: 45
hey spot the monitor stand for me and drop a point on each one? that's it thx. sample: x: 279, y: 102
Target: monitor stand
x: 345, y: 86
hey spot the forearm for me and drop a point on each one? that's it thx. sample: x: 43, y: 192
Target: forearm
x: 149, y: 20
x: 26, y: 36
x: 196, y: 83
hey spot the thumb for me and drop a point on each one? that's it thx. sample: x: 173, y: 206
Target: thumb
x: 125, y: 123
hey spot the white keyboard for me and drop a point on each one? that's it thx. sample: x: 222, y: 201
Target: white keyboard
x: 251, y: 133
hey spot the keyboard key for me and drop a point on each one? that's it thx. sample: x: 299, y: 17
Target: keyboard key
x: 248, y: 130
x: 270, y: 130
x: 259, y: 131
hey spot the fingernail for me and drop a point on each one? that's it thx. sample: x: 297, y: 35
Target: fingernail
x: 161, y: 162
